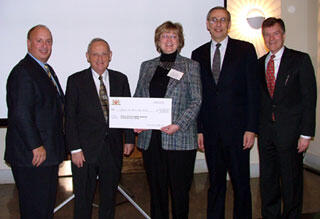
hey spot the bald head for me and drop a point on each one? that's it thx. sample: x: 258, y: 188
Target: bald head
x: 39, y: 42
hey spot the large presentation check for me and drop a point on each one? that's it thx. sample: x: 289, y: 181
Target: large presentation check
x: 139, y: 113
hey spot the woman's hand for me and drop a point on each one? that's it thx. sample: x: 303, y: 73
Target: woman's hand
x: 138, y: 131
x: 170, y: 129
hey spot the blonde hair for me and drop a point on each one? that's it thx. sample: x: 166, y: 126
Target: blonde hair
x: 166, y: 27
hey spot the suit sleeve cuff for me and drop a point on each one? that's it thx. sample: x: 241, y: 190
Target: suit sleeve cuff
x: 305, y: 137
x: 76, y: 151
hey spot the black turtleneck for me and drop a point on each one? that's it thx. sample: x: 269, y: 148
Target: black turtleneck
x: 160, y: 80
x: 158, y: 88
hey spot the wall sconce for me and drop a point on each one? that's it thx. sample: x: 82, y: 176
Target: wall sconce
x: 247, y: 17
x: 255, y: 17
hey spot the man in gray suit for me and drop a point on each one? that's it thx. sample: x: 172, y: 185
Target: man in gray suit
x: 96, y: 149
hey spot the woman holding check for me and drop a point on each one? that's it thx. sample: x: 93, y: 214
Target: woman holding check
x: 169, y: 153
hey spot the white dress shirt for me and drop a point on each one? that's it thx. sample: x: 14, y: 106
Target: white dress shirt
x: 276, y: 59
x: 222, y: 49
x: 105, y: 78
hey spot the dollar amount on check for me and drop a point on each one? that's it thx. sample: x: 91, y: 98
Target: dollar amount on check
x: 139, y: 113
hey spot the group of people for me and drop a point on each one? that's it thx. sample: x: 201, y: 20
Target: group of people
x: 224, y: 98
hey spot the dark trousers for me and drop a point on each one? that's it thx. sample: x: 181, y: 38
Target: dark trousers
x: 222, y: 158
x: 37, y: 187
x: 173, y: 169
x: 84, y: 185
x: 281, y: 177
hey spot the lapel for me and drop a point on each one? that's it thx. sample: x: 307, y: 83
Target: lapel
x: 149, y: 70
x: 113, y: 83
x: 206, y: 57
x: 282, y: 73
x: 179, y: 65
x: 41, y: 76
x: 89, y: 88
x: 262, y: 70
x: 60, y: 93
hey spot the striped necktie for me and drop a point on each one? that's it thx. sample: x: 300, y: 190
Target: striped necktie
x: 103, y: 96
x: 46, y: 67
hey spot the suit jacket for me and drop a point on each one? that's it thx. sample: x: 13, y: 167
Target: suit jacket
x: 231, y: 106
x: 86, y: 127
x: 186, y: 101
x: 35, y: 115
x: 294, y: 98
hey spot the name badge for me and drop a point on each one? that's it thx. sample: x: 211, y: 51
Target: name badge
x: 175, y: 74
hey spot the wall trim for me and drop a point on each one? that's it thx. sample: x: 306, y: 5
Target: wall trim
x: 312, y: 161
x: 6, y: 176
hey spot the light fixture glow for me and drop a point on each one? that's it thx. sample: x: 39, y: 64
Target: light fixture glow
x: 241, y: 10
x: 255, y: 17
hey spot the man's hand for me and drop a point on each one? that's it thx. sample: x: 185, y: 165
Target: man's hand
x: 39, y: 155
x: 248, y: 140
x: 170, y: 129
x: 78, y: 159
x: 303, y: 144
x: 127, y: 149
x: 200, y: 142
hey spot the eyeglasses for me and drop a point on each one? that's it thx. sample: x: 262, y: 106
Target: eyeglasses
x: 216, y: 20
x: 168, y: 36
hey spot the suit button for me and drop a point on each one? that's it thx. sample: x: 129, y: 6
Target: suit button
x: 274, y: 106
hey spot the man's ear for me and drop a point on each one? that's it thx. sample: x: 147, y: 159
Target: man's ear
x: 87, y: 56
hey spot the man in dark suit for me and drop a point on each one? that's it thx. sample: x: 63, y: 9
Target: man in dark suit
x: 287, y: 122
x: 96, y: 149
x: 228, y: 118
x: 34, y: 140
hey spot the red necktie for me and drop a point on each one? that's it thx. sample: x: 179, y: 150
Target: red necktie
x: 270, y: 76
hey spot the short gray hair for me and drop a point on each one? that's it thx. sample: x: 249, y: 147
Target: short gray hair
x: 219, y: 8
x: 97, y: 40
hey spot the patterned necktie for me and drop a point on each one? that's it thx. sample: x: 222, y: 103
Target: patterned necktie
x: 46, y: 67
x: 216, y: 63
x: 59, y: 94
x: 270, y: 78
x: 49, y: 73
x: 103, y: 96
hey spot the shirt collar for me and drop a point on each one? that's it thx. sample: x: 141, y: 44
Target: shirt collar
x: 277, y: 55
x: 96, y: 75
x: 223, y: 43
x: 37, y: 60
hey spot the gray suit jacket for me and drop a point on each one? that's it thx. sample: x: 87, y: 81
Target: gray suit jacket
x: 186, y: 101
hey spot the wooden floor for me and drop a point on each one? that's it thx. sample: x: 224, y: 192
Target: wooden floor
x: 136, y: 185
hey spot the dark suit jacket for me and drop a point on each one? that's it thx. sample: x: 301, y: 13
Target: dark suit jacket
x: 294, y: 99
x: 231, y: 106
x: 35, y: 115
x: 85, y: 123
